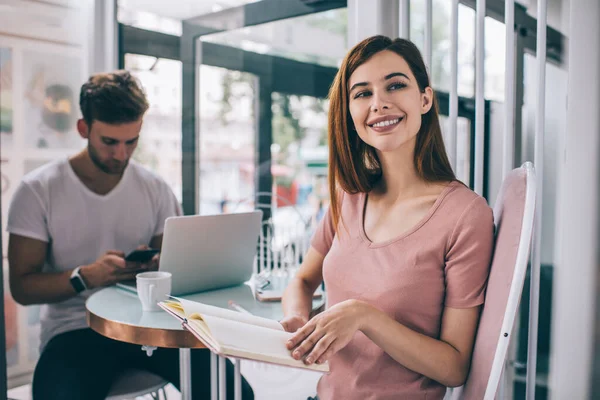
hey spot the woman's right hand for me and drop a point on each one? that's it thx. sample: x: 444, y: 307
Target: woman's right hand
x: 293, y: 322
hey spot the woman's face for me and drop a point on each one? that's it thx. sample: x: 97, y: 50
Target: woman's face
x: 386, y: 104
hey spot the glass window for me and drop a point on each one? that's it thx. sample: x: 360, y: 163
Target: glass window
x: 300, y: 153
x: 228, y: 100
x: 440, y: 68
x: 294, y: 38
x: 226, y: 140
x: 166, y: 16
x: 495, y: 59
x: 233, y: 139
x: 463, y: 147
x: 159, y: 146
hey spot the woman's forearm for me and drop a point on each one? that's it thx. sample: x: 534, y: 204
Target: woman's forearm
x: 297, y: 299
x: 433, y: 358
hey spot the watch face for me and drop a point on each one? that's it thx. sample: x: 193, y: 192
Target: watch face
x: 77, y: 283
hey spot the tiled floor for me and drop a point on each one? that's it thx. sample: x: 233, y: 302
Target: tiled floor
x: 269, y: 383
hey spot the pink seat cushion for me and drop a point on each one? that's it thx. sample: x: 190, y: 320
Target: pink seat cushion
x: 508, y: 217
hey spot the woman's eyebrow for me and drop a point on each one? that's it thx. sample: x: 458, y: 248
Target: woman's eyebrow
x: 357, y: 84
x: 389, y: 76
x: 393, y: 74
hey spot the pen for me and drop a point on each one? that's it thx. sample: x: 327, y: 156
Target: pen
x: 237, y: 307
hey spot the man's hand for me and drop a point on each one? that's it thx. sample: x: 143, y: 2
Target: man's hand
x: 151, y: 265
x: 109, y: 269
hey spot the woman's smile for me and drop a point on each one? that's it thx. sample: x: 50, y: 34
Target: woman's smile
x: 385, y: 124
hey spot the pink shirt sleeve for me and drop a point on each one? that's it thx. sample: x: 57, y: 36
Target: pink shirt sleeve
x: 469, y: 256
x: 323, y: 237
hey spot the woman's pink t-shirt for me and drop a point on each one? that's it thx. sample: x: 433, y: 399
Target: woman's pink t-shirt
x: 443, y: 261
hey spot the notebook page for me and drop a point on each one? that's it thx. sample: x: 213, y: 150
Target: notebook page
x: 193, y: 307
x: 252, y: 338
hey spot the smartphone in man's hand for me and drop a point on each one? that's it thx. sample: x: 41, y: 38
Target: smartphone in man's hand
x: 142, y: 255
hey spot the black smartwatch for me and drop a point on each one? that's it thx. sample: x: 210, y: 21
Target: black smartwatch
x: 77, y: 281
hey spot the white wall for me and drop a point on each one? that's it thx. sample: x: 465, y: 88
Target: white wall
x: 48, y: 43
x: 575, y: 293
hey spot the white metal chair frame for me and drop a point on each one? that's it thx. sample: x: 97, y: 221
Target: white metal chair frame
x: 516, y: 288
x: 265, y: 255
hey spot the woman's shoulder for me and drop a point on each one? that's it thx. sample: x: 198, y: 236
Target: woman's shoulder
x: 461, y: 202
x: 350, y: 204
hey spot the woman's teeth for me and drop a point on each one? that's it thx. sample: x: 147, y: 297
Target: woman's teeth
x: 386, y: 123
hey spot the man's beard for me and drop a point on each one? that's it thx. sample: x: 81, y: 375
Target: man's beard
x: 115, y: 169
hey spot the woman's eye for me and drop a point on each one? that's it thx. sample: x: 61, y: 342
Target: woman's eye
x: 396, y: 86
x: 361, y: 94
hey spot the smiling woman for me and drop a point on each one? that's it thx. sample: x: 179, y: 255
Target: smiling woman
x: 387, y: 80
x: 406, y: 269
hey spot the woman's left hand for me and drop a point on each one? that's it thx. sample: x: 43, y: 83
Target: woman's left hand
x: 328, y: 332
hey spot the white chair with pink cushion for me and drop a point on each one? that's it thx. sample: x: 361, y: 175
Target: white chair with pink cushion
x: 513, y: 217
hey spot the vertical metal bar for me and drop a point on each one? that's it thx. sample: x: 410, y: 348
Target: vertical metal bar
x: 277, y: 255
x: 214, y: 395
x: 534, y: 292
x: 120, y: 51
x: 453, y: 107
x: 185, y: 374
x: 263, y: 127
x: 189, y: 106
x: 404, y: 19
x: 269, y: 248
x: 261, y: 248
x: 3, y: 375
x: 519, y: 93
x: 428, y: 35
x: 237, y: 380
x: 222, y: 378
x: 479, y: 96
x: 509, y: 89
x: 299, y: 250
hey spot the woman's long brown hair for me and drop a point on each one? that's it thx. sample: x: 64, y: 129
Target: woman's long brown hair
x: 353, y: 165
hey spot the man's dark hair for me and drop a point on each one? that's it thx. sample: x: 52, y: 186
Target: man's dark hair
x: 113, y: 98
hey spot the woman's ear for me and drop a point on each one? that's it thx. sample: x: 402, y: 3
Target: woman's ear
x: 426, y: 100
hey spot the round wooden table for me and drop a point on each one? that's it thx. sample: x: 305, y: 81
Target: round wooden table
x: 117, y: 313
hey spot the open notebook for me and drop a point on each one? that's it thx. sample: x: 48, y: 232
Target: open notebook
x: 235, y: 334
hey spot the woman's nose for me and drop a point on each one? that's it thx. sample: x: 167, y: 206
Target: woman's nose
x: 379, y: 102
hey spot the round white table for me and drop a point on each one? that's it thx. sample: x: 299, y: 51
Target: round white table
x: 117, y: 313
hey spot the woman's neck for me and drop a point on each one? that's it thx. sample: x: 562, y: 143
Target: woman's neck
x: 399, y: 178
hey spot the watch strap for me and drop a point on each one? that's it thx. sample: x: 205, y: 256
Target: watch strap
x: 77, y: 281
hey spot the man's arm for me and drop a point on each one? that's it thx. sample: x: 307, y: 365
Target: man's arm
x: 29, y: 285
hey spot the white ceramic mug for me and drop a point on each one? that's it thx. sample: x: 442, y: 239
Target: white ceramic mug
x: 152, y: 288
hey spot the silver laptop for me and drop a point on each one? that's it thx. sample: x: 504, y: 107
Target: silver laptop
x: 206, y: 252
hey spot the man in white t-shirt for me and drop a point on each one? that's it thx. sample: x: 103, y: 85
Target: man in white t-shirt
x: 71, y: 223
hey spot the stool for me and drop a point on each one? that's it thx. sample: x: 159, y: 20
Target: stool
x: 134, y: 382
